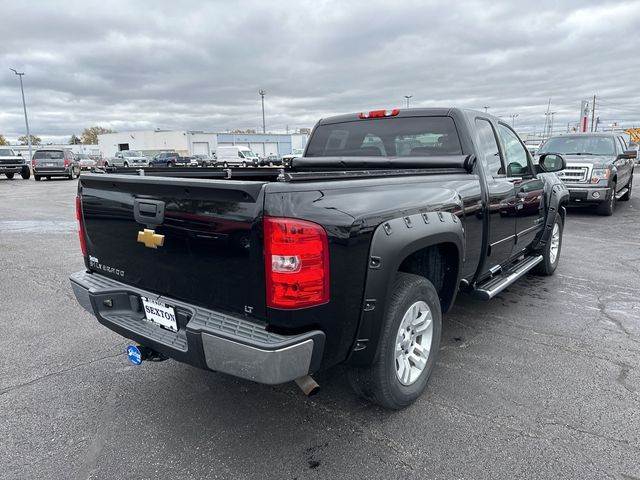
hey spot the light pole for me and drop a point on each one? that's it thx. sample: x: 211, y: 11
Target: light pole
x: 24, y: 106
x: 513, y: 119
x: 262, y: 94
x: 408, y: 97
x: 486, y: 108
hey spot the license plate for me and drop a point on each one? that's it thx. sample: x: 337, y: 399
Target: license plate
x: 49, y: 164
x: 160, y: 314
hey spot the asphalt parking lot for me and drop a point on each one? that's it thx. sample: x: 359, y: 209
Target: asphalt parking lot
x: 541, y: 382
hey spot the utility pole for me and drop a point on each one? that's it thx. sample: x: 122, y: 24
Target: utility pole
x: 486, y: 108
x: 551, y: 124
x: 408, y: 97
x: 513, y: 119
x: 24, y: 106
x: 546, y: 120
x: 262, y: 94
x: 593, y: 112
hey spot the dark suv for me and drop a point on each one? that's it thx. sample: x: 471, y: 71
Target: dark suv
x: 55, y: 163
x: 12, y: 163
x: 170, y: 159
x: 599, y: 168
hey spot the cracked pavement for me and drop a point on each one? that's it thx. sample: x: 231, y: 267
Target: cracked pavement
x: 542, y: 382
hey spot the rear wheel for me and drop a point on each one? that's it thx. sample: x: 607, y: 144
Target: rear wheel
x: 37, y: 178
x: 551, y: 251
x: 9, y: 176
x: 627, y: 196
x: 607, y: 207
x: 25, y: 173
x: 409, y: 344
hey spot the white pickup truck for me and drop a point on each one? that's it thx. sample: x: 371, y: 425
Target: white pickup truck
x: 12, y: 163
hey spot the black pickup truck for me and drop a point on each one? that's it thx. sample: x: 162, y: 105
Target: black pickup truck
x: 350, y: 256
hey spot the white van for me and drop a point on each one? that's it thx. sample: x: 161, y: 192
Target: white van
x: 236, y: 155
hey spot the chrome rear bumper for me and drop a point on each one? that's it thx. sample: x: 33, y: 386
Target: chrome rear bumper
x: 205, y: 338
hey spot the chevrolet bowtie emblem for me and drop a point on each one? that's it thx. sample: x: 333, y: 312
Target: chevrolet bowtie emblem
x: 150, y: 238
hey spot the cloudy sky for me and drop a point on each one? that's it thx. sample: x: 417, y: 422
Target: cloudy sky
x: 199, y: 65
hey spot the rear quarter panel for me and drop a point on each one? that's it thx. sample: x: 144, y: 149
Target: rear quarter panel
x: 350, y: 211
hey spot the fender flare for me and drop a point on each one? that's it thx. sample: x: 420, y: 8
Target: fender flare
x: 556, y: 197
x: 393, y: 241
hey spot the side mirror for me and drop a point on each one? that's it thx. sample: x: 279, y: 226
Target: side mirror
x: 630, y: 154
x: 551, y: 162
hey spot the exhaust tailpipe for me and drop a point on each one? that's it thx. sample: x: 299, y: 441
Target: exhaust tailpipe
x: 308, y: 385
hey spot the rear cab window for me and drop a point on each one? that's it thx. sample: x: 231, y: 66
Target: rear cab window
x: 388, y: 137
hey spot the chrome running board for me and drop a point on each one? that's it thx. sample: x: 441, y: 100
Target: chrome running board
x: 496, y: 284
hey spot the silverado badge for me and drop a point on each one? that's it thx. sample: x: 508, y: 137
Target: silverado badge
x: 150, y: 238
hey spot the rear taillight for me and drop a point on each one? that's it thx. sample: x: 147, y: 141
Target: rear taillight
x: 33, y: 162
x: 296, y: 255
x: 81, y: 233
x: 66, y: 162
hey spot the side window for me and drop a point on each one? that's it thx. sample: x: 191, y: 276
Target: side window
x: 489, y: 147
x: 622, y: 145
x: 516, y: 155
x: 240, y: 154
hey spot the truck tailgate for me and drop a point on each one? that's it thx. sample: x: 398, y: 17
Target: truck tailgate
x: 211, y: 250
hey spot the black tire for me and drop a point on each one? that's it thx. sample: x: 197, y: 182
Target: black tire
x: 126, y: 164
x: 379, y: 382
x: 37, y: 178
x: 48, y: 177
x: 70, y: 176
x: 627, y: 196
x: 607, y: 207
x: 25, y: 173
x: 169, y: 164
x: 547, y: 266
x: 9, y: 175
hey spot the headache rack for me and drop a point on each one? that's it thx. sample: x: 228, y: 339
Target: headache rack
x: 315, y: 168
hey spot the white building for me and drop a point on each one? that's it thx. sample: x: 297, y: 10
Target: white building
x: 188, y: 142
x: 88, y: 149
x: 154, y: 141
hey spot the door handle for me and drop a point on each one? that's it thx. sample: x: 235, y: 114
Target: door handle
x: 148, y: 212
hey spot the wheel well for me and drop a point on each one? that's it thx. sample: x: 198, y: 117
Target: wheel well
x: 439, y: 265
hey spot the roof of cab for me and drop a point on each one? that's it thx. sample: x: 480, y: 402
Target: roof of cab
x: 406, y: 112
